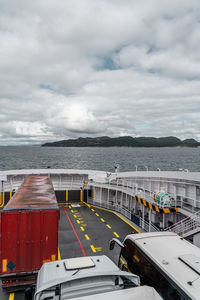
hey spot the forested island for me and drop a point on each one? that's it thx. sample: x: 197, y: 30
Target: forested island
x: 124, y: 141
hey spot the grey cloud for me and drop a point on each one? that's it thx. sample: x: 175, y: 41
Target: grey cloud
x: 53, y: 84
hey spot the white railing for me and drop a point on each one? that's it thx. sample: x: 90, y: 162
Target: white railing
x: 125, y: 212
x: 131, y: 191
x: 189, y: 224
x: 147, y: 226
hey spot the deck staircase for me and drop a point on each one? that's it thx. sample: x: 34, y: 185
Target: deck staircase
x: 187, y: 227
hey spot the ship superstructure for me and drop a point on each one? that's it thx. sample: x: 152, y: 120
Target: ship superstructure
x: 97, y: 206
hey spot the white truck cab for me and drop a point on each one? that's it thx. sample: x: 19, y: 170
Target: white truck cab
x: 84, y: 277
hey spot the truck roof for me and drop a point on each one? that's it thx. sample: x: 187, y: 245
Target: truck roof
x: 35, y: 192
x: 176, y: 257
x: 95, y: 273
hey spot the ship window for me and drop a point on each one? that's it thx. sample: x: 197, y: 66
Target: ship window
x: 133, y: 260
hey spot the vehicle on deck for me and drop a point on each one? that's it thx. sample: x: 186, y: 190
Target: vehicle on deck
x: 89, y: 277
x: 164, y: 261
x: 29, y: 232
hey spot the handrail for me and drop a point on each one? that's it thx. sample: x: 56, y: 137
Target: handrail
x: 186, y: 225
x: 192, y: 217
x: 146, y: 226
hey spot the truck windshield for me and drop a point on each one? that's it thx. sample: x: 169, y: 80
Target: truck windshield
x: 88, y: 286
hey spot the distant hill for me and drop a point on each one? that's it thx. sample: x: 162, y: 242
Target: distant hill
x: 124, y: 141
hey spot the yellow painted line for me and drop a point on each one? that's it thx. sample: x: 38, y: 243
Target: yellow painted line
x: 117, y: 216
x: 72, y: 211
x: 92, y: 209
x: 59, y: 257
x: 75, y: 216
x: 70, y: 207
x: 81, y: 195
x: 87, y: 237
x: 102, y: 220
x: 67, y: 195
x: 98, y: 248
x: 115, y: 233
x: 108, y: 226
x: 97, y: 214
x: 92, y: 247
x: 11, y: 296
x: 78, y: 221
x: 83, y: 229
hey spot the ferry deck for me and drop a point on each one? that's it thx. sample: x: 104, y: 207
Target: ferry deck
x: 117, y: 204
x: 85, y: 230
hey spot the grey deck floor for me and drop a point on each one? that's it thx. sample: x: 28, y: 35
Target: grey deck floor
x: 94, y: 227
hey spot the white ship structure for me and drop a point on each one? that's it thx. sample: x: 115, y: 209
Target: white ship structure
x: 152, y: 200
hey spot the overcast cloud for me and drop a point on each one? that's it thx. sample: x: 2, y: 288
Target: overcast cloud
x: 91, y: 68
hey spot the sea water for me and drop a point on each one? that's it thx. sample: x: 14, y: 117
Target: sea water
x: 166, y: 159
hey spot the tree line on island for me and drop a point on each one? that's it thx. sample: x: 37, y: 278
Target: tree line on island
x: 124, y: 141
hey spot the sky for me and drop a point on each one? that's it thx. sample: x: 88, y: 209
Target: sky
x: 72, y: 68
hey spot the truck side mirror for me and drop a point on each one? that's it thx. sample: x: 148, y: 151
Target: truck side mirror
x: 112, y: 244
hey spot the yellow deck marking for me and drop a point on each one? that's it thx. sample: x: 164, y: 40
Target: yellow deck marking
x: 93, y: 249
x: 80, y: 218
x: 78, y: 221
x: 59, y: 257
x: 84, y: 225
x: 69, y: 207
x: 83, y: 229
x: 92, y: 209
x: 11, y: 296
x: 98, y: 248
x: 97, y: 214
x: 72, y: 211
x: 87, y: 237
x: 117, y: 216
x: 115, y: 233
x: 66, y: 196
x: 75, y: 216
x: 102, y: 220
x: 108, y: 226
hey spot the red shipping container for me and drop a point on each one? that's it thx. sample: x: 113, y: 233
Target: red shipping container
x: 29, y: 231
